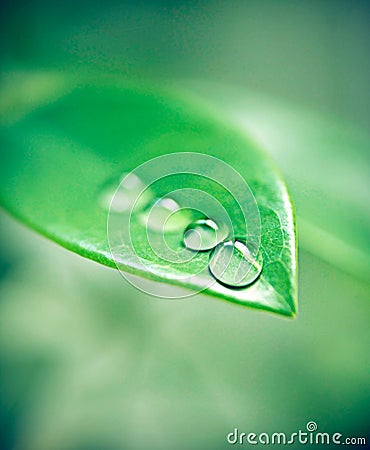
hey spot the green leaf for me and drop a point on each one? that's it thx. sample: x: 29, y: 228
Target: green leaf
x: 64, y: 138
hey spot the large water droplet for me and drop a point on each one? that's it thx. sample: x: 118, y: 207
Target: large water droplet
x: 204, y: 234
x: 119, y: 198
x: 233, y: 264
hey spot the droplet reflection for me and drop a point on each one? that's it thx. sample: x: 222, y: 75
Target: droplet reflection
x: 204, y: 234
x: 233, y: 264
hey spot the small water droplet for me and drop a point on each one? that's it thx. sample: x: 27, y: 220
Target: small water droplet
x: 166, y: 215
x: 204, y: 234
x: 232, y: 263
x: 120, y: 198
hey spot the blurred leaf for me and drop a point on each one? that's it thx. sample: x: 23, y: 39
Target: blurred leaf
x: 58, y: 155
x: 325, y: 161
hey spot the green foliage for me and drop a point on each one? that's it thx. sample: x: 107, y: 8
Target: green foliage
x: 62, y: 140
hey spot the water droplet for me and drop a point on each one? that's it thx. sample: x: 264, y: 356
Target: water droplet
x: 232, y: 263
x: 204, y: 234
x: 121, y: 197
x: 166, y: 215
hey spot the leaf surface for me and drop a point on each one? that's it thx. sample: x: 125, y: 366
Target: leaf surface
x: 63, y: 139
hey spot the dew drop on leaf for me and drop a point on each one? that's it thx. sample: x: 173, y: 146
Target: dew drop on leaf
x: 232, y: 263
x: 122, y: 197
x: 204, y: 234
x: 166, y: 215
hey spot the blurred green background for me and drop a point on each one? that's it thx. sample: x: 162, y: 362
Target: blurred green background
x: 86, y: 361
